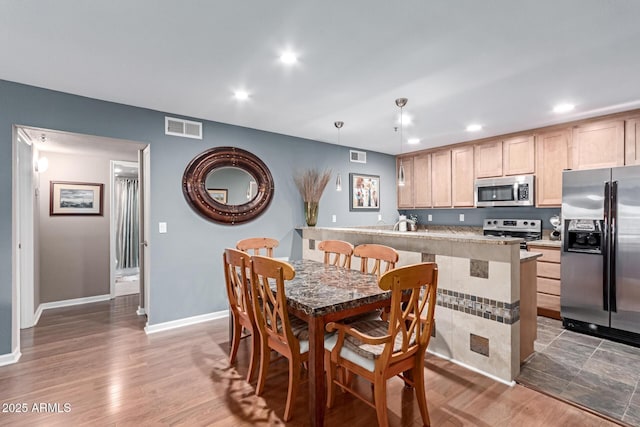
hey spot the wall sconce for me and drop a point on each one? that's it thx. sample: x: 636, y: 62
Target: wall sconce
x: 42, y: 165
x: 338, y: 182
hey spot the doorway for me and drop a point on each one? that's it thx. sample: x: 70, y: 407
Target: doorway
x: 46, y: 279
x: 125, y: 226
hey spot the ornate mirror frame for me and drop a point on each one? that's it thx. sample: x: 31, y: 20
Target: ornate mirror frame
x: 194, y: 190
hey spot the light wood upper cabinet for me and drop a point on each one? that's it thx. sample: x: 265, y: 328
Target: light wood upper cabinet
x: 598, y: 145
x: 405, y: 192
x: 552, y: 150
x: 488, y: 159
x: 462, y: 176
x: 519, y: 155
x: 632, y: 142
x: 422, y: 180
x: 441, y: 178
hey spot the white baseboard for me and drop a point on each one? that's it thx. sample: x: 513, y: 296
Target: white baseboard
x: 10, y: 358
x: 36, y: 316
x: 152, y: 329
x: 471, y: 368
x: 75, y: 301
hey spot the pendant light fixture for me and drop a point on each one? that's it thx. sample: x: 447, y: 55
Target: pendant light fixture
x: 401, y: 102
x: 338, y: 125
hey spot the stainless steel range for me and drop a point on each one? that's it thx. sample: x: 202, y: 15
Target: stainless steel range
x: 527, y: 229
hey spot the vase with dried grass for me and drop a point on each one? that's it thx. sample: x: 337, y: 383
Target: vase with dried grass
x: 311, y: 184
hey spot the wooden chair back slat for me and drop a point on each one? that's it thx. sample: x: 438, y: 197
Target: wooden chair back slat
x: 337, y: 252
x: 257, y: 244
x: 384, y: 258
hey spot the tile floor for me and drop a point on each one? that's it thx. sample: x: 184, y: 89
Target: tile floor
x: 600, y: 374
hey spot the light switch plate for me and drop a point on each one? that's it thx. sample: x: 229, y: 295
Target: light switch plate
x: 429, y: 217
x: 461, y: 217
x: 162, y: 227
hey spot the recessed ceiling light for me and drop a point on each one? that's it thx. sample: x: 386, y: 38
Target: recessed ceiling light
x: 413, y: 141
x: 288, y: 58
x: 241, y: 95
x: 474, y: 128
x: 563, y: 108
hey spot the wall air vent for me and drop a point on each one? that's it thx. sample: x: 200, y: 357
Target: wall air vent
x: 183, y: 128
x: 357, y: 156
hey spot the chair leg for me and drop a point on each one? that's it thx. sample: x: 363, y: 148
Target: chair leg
x: 294, y: 379
x: 235, y: 341
x: 265, y: 355
x: 255, y: 355
x: 380, y: 400
x: 418, y: 378
x: 331, y: 376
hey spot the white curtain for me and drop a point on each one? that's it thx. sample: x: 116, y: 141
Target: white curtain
x: 126, y: 212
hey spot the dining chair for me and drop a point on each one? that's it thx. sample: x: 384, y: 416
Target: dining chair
x: 384, y: 258
x: 236, y: 270
x: 337, y: 252
x: 278, y: 331
x: 378, y: 350
x: 256, y: 244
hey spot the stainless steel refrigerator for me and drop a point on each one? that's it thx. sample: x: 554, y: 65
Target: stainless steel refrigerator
x: 600, y: 269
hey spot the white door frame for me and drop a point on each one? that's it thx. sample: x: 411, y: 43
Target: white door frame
x: 145, y: 230
x: 112, y: 223
x: 25, y: 209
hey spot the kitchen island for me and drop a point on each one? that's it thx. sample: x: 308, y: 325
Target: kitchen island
x: 485, y: 313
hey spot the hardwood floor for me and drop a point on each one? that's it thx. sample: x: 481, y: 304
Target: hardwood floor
x: 97, y: 359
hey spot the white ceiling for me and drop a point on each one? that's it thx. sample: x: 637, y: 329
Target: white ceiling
x: 501, y: 63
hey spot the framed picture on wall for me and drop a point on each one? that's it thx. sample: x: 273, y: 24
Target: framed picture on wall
x: 76, y: 198
x: 218, y: 194
x: 364, y: 192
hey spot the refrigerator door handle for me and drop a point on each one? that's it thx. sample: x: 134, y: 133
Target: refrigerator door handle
x: 613, y: 237
x: 605, y: 247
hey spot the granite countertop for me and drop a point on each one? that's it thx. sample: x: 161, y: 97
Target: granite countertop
x: 546, y: 242
x: 528, y: 256
x: 318, y: 289
x: 426, y: 234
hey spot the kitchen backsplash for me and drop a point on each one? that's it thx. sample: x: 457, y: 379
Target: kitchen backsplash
x: 475, y: 217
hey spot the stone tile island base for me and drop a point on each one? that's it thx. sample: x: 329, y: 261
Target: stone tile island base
x: 478, y: 312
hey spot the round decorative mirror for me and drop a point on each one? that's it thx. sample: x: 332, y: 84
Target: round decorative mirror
x: 228, y: 185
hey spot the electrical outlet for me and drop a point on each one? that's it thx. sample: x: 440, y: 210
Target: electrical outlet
x: 429, y: 217
x: 379, y: 217
x: 333, y: 218
x: 461, y: 217
x: 162, y: 227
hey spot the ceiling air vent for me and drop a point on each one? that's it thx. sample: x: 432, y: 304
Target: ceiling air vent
x: 183, y: 128
x: 357, y: 156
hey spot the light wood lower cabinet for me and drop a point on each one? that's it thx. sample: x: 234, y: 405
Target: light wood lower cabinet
x: 548, y: 280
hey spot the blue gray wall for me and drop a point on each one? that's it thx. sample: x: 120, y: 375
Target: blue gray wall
x: 186, y: 273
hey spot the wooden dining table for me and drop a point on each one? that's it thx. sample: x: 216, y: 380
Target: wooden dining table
x: 320, y: 294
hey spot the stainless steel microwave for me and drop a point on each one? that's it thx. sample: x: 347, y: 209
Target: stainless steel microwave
x: 507, y: 191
